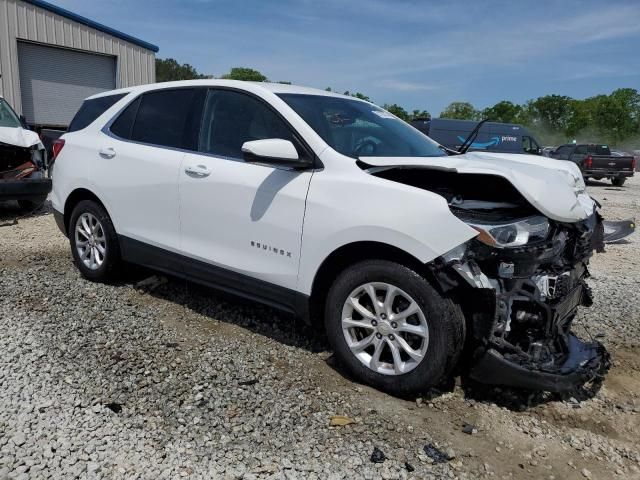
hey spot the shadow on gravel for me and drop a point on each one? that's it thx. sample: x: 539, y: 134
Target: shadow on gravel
x: 11, y: 213
x: 288, y: 330
x: 519, y: 400
x: 231, y: 309
x: 598, y: 183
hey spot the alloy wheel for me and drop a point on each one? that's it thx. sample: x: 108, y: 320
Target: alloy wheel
x: 385, y: 328
x: 91, y: 243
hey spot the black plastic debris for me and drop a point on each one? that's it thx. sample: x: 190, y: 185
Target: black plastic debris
x: 468, y: 428
x: 171, y: 344
x: 248, y: 382
x: 435, y: 454
x: 378, y: 456
x: 114, y: 407
x: 409, y: 467
x: 616, y: 231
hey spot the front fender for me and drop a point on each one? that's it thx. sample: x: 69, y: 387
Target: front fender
x: 344, y: 209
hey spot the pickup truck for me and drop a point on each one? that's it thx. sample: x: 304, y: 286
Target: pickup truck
x: 596, y: 161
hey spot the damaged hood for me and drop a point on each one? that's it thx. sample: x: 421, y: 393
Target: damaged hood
x: 554, y: 187
x: 19, y: 137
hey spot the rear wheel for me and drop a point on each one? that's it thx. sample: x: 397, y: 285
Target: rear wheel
x: 391, y: 329
x: 94, y: 243
x: 618, y: 181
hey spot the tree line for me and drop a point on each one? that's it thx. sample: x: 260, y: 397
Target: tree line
x: 554, y: 119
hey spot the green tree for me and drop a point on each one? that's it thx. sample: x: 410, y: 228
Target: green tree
x: 419, y: 114
x: 397, y: 110
x: 581, y: 125
x: 168, y: 70
x: 618, y: 115
x: 361, y: 96
x: 551, y: 111
x: 244, y: 73
x: 460, y: 111
x: 504, y: 111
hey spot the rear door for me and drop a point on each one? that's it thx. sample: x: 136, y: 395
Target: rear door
x: 241, y: 223
x: 139, y: 158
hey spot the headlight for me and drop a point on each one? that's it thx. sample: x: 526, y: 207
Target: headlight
x: 513, y: 234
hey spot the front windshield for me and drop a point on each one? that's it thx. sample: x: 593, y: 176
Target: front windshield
x: 8, y: 117
x: 359, y: 129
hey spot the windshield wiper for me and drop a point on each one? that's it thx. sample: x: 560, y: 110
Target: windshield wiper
x: 471, y: 138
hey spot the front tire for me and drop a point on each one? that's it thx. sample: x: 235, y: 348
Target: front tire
x: 618, y: 181
x: 391, y: 329
x: 94, y: 242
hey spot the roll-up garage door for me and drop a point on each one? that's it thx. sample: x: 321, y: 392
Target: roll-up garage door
x: 55, y: 81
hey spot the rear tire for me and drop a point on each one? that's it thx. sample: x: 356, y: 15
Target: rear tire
x: 618, y: 181
x: 94, y: 242
x: 396, y: 369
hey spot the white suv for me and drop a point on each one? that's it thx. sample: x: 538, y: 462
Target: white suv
x: 416, y: 259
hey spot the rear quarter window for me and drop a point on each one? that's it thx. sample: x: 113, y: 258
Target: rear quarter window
x: 92, y: 109
x: 123, y: 125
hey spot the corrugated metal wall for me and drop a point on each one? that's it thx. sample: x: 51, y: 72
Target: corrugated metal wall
x: 20, y: 20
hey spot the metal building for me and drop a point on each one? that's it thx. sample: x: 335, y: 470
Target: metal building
x: 51, y: 59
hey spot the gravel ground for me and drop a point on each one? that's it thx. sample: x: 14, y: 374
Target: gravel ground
x: 174, y: 380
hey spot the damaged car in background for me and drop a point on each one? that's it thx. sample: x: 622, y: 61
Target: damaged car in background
x: 23, y: 162
x: 420, y: 261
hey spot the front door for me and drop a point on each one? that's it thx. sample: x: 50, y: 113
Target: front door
x: 241, y: 223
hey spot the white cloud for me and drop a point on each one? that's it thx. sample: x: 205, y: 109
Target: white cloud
x: 401, y: 86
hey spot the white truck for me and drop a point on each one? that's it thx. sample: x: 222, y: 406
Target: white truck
x: 416, y: 260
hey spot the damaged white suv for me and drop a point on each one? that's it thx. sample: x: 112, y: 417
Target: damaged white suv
x: 416, y: 260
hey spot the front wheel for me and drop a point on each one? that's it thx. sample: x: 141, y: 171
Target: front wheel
x: 618, y: 181
x: 391, y: 329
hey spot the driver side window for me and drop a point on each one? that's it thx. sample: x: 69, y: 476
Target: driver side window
x: 231, y: 118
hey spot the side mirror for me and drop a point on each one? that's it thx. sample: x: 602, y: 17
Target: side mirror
x: 23, y: 121
x: 273, y: 151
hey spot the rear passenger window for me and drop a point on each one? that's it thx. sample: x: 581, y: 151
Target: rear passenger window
x: 163, y: 116
x: 92, y: 109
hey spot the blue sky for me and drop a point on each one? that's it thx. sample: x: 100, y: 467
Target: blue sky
x: 418, y: 54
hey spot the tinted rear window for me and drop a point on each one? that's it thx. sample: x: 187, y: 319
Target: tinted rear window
x: 162, y: 117
x: 581, y: 150
x: 92, y: 109
x: 599, y: 150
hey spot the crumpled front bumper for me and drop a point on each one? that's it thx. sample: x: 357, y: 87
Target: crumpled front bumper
x: 521, y: 307
x: 585, y: 362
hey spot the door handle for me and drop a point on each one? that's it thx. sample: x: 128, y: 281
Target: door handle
x: 198, y: 171
x: 107, y: 152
